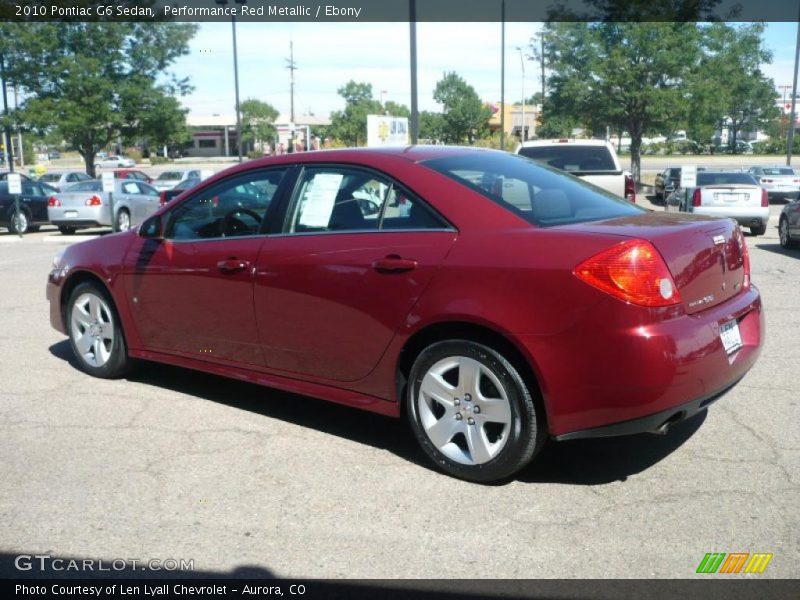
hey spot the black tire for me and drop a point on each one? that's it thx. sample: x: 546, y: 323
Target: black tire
x: 118, y: 363
x: 123, y: 220
x: 21, y: 225
x: 519, y: 440
x: 783, y: 235
x: 67, y: 230
x: 761, y: 230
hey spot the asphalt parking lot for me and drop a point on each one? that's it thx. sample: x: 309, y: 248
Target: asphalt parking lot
x: 173, y: 464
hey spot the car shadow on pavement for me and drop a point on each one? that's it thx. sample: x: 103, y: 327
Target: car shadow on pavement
x: 777, y: 249
x: 578, y: 462
x: 605, y: 460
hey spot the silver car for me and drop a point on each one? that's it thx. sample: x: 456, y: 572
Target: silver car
x: 734, y: 195
x: 63, y: 179
x: 85, y: 205
x: 779, y: 181
x: 169, y: 179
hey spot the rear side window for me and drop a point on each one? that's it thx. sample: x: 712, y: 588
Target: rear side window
x: 724, y: 178
x: 572, y: 158
x: 779, y: 171
x: 541, y: 195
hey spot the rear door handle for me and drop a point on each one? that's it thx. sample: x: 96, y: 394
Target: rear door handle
x: 232, y: 265
x: 394, y: 264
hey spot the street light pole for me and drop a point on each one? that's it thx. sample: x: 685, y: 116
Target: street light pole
x: 503, y: 75
x: 522, y: 136
x: 7, y: 129
x: 793, y: 115
x: 412, y: 30
x: 236, y: 83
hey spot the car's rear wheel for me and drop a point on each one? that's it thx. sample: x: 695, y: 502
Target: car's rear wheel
x: 18, y: 222
x: 123, y: 220
x: 67, y: 230
x: 34, y: 228
x: 472, y: 412
x: 783, y: 234
x: 95, y: 332
x: 760, y: 230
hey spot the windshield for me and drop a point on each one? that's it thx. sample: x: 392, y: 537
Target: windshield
x: 541, y: 195
x: 724, y: 178
x: 170, y: 175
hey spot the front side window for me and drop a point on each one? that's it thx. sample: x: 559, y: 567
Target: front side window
x: 330, y: 199
x: 541, y: 195
x: 236, y: 207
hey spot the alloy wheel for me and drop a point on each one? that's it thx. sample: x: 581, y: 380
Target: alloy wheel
x: 464, y: 410
x: 92, y: 329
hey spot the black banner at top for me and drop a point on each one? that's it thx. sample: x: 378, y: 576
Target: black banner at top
x: 399, y: 10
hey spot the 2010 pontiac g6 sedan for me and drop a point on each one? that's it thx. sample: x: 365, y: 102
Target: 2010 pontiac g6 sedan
x: 494, y: 301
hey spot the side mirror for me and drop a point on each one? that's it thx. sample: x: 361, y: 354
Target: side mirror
x: 152, y: 228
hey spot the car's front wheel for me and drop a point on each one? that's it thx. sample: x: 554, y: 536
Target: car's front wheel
x: 67, y: 230
x: 95, y: 332
x: 472, y: 412
x: 760, y: 230
x: 783, y: 234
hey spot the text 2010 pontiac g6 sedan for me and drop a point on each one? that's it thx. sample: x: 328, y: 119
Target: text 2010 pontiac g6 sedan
x: 496, y: 301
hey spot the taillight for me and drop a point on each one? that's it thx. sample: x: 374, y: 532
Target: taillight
x: 745, y: 253
x: 630, y: 189
x: 94, y: 201
x: 632, y: 271
x: 697, y: 198
x: 162, y: 198
x: 766, y: 181
x: 53, y: 201
x: 764, y: 198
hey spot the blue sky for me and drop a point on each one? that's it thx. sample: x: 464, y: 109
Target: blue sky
x: 328, y: 55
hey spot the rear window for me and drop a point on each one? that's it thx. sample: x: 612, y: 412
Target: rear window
x: 50, y: 177
x: 541, y: 195
x: 86, y: 186
x: 572, y: 158
x: 779, y: 171
x: 723, y: 178
x: 170, y: 175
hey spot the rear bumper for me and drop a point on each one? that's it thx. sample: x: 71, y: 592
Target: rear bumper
x: 627, y: 369
x: 659, y: 422
x: 84, y: 216
x: 745, y: 216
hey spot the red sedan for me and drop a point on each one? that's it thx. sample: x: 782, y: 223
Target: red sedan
x: 495, y: 301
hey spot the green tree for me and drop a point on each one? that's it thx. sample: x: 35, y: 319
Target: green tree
x: 464, y: 117
x: 96, y: 83
x: 258, y: 121
x: 730, y: 82
x: 349, y: 126
x: 396, y: 110
x: 431, y: 126
x: 629, y: 76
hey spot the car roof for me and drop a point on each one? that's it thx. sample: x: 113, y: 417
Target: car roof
x: 577, y: 142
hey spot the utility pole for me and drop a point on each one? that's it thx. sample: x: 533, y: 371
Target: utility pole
x: 7, y: 129
x: 236, y: 84
x: 793, y: 116
x: 413, y: 123
x: 19, y: 134
x: 522, y: 135
x: 292, y: 66
x: 785, y: 88
x: 503, y: 75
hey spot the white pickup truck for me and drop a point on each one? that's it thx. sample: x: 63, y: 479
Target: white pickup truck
x: 592, y: 160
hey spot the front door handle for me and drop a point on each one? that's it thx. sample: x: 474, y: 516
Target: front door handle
x: 394, y: 264
x: 232, y: 265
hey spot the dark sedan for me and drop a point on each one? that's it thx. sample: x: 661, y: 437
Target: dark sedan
x: 494, y: 301
x: 32, y: 204
x: 789, y: 225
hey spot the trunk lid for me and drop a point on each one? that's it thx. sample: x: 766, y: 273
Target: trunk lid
x: 730, y: 195
x: 78, y: 199
x: 703, y: 254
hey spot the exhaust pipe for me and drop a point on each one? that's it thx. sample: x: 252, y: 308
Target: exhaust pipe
x: 664, y: 427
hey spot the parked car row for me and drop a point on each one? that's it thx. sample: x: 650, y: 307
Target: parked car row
x: 72, y: 200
